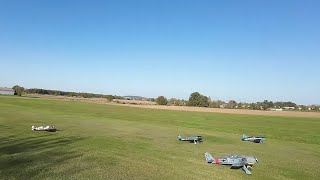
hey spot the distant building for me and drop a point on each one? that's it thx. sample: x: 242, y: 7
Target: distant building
x: 276, y: 109
x: 223, y: 106
x: 289, y: 108
x: 135, y: 98
x: 7, y: 91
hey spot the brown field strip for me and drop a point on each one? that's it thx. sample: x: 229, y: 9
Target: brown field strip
x: 150, y: 105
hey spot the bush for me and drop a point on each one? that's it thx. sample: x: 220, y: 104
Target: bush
x: 18, y: 90
x: 161, y: 100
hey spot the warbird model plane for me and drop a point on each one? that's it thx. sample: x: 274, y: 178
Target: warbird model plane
x: 253, y: 139
x: 235, y: 161
x: 44, y: 128
x: 191, y: 139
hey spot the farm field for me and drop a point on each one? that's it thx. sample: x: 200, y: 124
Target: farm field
x: 152, y: 105
x: 99, y: 141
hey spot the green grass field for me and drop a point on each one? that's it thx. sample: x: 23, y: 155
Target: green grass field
x: 116, y: 142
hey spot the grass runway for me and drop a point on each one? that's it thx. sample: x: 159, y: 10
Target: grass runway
x: 99, y: 141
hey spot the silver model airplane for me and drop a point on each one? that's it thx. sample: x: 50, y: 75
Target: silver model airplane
x: 44, y: 128
x: 235, y: 161
x: 191, y: 139
x: 253, y: 139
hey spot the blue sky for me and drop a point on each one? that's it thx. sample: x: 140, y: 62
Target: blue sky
x: 247, y: 50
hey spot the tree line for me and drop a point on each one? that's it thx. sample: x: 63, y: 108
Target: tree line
x: 195, y: 99
x: 20, y: 90
x: 198, y: 100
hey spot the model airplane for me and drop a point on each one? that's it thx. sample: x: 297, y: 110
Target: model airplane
x: 44, y: 128
x: 235, y: 161
x: 253, y: 139
x: 191, y: 139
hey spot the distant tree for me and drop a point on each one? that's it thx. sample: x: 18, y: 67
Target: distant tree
x: 109, y: 97
x: 161, y: 100
x: 239, y: 106
x: 198, y: 100
x: 270, y: 104
x: 152, y: 99
x: 18, y: 90
x: 172, y: 102
x: 184, y: 102
x: 285, y: 104
x: 180, y: 102
x: 215, y: 103
x: 212, y: 104
x: 118, y: 97
x: 291, y: 104
x: 220, y: 103
x: 266, y: 104
x: 232, y: 104
x: 302, y: 107
x: 254, y: 106
x: 86, y: 95
x: 176, y: 102
x: 314, y: 107
x: 246, y: 105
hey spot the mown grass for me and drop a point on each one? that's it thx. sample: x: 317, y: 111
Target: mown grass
x: 115, y: 142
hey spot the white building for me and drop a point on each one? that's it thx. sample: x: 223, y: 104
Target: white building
x: 289, y: 108
x: 7, y: 91
x: 276, y: 109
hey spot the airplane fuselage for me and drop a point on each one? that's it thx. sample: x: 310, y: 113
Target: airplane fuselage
x: 254, y: 139
x: 235, y: 161
x: 191, y: 139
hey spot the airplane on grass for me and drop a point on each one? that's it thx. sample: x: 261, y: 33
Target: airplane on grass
x: 191, y: 139
x: 44, y: 128
x: 235, y: 161
x: 253, y: 139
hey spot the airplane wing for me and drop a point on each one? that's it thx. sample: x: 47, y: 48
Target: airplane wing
x: 257, y: 140
x: 246, y: 170
x: 236, y: 165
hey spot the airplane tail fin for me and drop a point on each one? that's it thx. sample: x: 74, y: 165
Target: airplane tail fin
x: 244, y: 136
x: 179, y: 137
x: 209, y: 157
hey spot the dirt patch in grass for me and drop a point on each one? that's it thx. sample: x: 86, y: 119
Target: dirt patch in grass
x: 232, y: 111
x: 133, y: 102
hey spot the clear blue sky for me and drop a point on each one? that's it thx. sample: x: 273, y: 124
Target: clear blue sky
x: 247, y: 50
